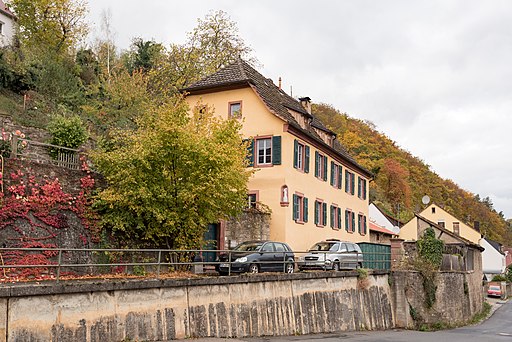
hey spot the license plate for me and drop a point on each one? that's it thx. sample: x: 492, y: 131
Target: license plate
x: 224, y: 265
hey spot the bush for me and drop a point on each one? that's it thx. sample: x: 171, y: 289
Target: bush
x: 499, y: 277
x: 67, y: 132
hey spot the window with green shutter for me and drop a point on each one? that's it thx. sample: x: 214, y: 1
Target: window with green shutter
x: 276, y: 150
x: 305, y: 209
x: 300, y: 208
x: 317, y: 168
x: 324, y: 214
x: 333, y: 173
x: 250, y: 151
x: 306, y: 159
x: 333, y: 215
x: 340, y: 177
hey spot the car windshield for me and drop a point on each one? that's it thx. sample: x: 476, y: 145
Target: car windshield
x: 324, y: 246
x: 248, y: 246
x: 494, y: 288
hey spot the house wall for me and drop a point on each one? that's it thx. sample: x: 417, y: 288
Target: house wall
x: 379, y: 218
x: 441, y: 215
x: 493, y: 262
x: 8, y: 29
x: 409, y: 232
x: 268, y: 181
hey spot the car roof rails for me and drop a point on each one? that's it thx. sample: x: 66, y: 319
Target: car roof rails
x: 333, y: 240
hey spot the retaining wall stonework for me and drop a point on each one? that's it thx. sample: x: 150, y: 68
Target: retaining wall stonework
x: 458, y: 297
x: 153, y: 310
x: 240, y: 306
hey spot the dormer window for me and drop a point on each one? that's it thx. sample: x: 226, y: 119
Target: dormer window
x: 235, y: 110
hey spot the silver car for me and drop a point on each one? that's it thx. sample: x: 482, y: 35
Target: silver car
x: 332, y: 254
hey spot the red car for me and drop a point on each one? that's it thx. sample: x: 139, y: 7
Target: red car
x: 494, y: 291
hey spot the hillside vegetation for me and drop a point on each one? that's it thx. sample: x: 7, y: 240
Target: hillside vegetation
x: 401, y: 179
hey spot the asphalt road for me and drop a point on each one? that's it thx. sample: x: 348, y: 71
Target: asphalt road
x: 497, y: 328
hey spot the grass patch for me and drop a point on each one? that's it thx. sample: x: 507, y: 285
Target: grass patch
x: 482, y: 314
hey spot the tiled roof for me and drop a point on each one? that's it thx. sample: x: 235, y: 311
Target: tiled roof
x: 377, y: 228
x: 241, y: 74
x: 5, y: 10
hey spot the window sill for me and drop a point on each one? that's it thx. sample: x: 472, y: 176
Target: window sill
x: 299, y: 222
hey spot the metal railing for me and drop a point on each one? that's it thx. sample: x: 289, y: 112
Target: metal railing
x: 56, y: 263
x: 42, y: 153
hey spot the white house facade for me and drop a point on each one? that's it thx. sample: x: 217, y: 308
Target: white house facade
x: 493, y: 260
x: 7, y: 25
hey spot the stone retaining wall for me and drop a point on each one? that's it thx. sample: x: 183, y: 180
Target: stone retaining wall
x: 240, y: 306
x: 156, y: 310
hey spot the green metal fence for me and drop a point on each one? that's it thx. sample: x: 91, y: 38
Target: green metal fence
x: 376, y: 256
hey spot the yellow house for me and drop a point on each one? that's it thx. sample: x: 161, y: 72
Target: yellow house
x: 436, y: 214
x: 314, y: 189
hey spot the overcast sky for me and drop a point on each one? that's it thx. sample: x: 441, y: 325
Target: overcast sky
x: 435, y: 76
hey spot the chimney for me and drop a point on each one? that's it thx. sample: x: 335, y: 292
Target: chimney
x: 279, y: 82
x: 476, y: 225
x: 306, y: 103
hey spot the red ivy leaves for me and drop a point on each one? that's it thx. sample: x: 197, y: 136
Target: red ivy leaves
x: 46, y: 201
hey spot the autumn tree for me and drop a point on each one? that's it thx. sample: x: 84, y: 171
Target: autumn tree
x: 213, y: 43
x: 54, y: 25
x: 173, y: 176
x: 394, y: 180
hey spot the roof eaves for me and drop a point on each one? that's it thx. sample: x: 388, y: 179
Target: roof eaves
x: 217, y: 87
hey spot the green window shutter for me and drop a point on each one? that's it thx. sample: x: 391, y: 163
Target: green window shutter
x: 324, y: 214
x: 352, y: 183
x: 364, y: 225
x: 332, y: 173
x: 250, y: 152
x: 305, y: 203
x: 347, y: 181
x: 306, y: 159
x: 340, y: 177
x: 359, y: 224
x: 364, y: 190
x: 346, y: 221
x: 316, y: 164
x: 276, y: 150
x: 332, y: 215
x: 359, y: 185
x: 295, y: 208
x: 325, y: 168
x: 353, y: 222
x: 295, y: 152
x: 317, y: 214
x: 339, y: 217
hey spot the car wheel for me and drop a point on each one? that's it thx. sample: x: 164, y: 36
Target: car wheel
x: 290, y: 267
x: 359, y: 265
x: 253, y: 268
x: 336, y: 266
x: 223, y: 273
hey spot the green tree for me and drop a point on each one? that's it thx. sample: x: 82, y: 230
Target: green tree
x: 172, y: 176
x: 143, y: 55
x: 54, y: 25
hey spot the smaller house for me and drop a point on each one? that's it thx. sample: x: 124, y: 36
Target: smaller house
x: 7, y: 25
x: 493, y: 259
x: 460, y: 254
x: 382, y: 226
x: 442, y: 218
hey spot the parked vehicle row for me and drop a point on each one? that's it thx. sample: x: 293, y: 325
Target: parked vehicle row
x: 261, y: 256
